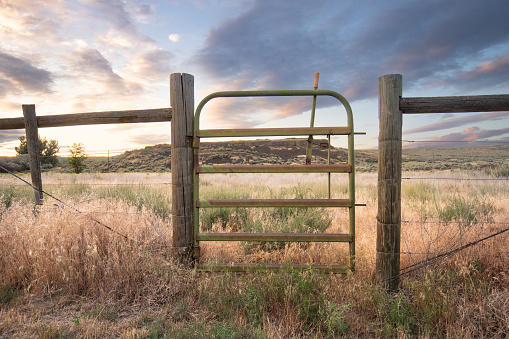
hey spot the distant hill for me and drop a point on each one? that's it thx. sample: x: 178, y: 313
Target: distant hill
x: 157, y: 158
x: 293, y: 151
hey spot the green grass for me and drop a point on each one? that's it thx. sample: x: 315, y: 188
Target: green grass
x: 52, y: 261
x: 267, y: 293
x: 226, y: 216
x: 265, y: 220
x: 155, y: 199
x: 8, y: 294
x: 8, y: 193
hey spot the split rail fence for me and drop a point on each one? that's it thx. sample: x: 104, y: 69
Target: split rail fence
x: 392, y: 106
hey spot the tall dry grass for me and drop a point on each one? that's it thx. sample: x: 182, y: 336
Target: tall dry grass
x: 64, y: 275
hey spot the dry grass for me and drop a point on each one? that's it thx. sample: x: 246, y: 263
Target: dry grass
x: 64, y: 275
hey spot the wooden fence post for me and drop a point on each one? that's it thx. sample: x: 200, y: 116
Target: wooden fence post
x: 389, y: 181
x: 182, y: 103
x: 32, y: 138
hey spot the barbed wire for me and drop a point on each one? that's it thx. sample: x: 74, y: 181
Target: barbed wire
x: 468, y: 254
x: 92, y: 184
x: 492, y: 142
x: 439, y: 257
x: 456, y: 179
x: 456, y: 222
x: 406, y: 270
x: 446, y: 178
x: 132, y: 213
x: 90, y: 217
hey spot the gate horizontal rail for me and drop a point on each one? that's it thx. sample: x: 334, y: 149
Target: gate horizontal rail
x: 203, y: 169
x: 210, y: 203
x: 245, y: 267
x: 286, y: 237
x: 272, y: 132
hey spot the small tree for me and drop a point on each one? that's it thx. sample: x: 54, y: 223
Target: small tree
x: 47, y: 150
x: 77, y: 158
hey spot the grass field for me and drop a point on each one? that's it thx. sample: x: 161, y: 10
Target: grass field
x: 64, y: 275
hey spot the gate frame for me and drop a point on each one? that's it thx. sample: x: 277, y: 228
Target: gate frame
x: 206, y: 169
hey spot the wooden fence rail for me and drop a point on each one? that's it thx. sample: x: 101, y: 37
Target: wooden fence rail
x: 92, y: 118
x: 392, y: 106
x: 455, y: 104
x: 30, y: 122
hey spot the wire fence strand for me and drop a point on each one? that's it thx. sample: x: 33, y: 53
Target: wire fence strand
x: 89, y: 216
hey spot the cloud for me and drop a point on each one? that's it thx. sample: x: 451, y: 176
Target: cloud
x: 90, y: 63
x: 150, y: 139
x: 457, y: 122
x: 38, y: 22
x: 253, y: 110
x: 22, y: 73
x: 141, y: 11
x: 471, y: 129
x: 7, y: 87
x: 493, y: 73
x: 174, y: 37
x: 137, y: 56
x: 152, y: 64
x: 115, y: 39
x: 7, y: 136
x: 280, y: 44
x: 116, y: 13
x: 472, y: 136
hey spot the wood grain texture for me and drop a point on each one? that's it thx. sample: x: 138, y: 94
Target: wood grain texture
x: 182, y: 103
x: 92, y: 118
x: 452, y: 104
x: 32, y: 137
x: 389, y: 180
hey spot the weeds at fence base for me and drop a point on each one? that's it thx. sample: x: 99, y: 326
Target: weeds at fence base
x: 61, y: 275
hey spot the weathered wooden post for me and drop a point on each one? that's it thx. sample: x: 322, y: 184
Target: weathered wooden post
x: 182, y: 103
x: 389, y: 181
x: 32, y: 138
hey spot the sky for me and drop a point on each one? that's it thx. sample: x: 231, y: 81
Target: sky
x: 73, y: 56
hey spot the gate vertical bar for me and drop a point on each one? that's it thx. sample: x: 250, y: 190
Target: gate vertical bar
x: 32, y: 138
x: 309, y: 149
x: 182, y: 164
x: 389, y: 181
x: 351, y: 185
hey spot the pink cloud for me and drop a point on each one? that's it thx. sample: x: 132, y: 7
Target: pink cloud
x: 471, y: 129
x: 472, y: 136
x: 487, y: 68
x: 456, y: 122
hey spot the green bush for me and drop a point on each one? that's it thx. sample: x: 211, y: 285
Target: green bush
x: 501, y: 171
x: 466, y: 211
x: 9, y: 193
x: 234, y: 217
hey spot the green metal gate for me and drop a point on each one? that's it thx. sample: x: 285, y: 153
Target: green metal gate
x: 257, y: 132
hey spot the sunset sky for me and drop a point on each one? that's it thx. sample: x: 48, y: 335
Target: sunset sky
x: 72, y: 56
